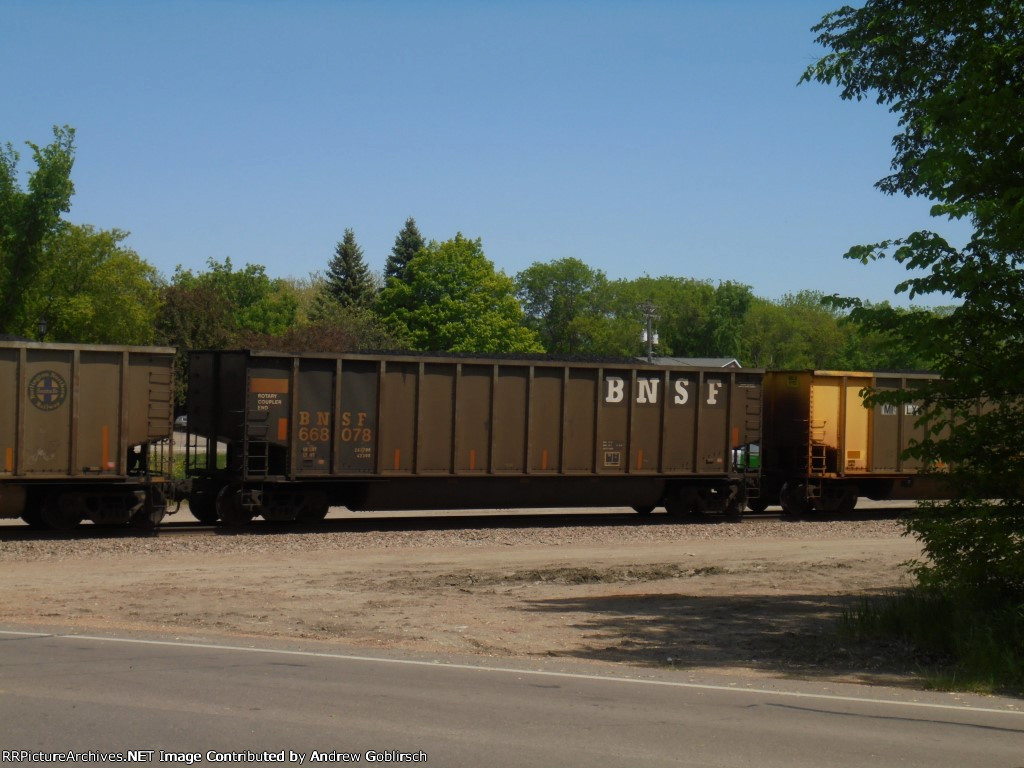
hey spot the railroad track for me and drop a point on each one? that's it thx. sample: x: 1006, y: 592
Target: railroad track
x: 183, y: 524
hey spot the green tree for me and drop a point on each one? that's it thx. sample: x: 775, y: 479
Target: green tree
x: 695, y: 317
x: 29, y: 218
x: 194, y: 316
x: 725, y: 325
x: 348, y: 282
x: 624, y: 322
x: 222, y: 307
x: 453, y: 300
x: 253, y: 301
x: 346, y: 329
x: 566, y: 303
x: 952, y: 72
x: 408, y: 243
x: 92, y: 290
x: 308, y: 292
x: 799, y: 331
x: 872, y: 349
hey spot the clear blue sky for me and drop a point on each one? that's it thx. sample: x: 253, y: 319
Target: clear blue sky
x: 643, y: 137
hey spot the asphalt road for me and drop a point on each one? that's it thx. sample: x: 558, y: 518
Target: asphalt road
x: 106, y: 696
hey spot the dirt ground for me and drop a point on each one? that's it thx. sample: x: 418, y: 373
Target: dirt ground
x: 759, y: 595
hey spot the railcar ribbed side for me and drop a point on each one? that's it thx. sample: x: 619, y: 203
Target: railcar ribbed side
x: 286, y: 436
x: 85, y: 433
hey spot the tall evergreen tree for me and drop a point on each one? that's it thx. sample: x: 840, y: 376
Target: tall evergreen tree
x: 407, y: 244
x: 348, y: 281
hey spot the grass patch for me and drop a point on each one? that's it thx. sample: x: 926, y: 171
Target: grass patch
x: 179, y: 465
x: 959, y: 644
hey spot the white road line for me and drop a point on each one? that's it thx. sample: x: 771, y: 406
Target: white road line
x: 534, y: 672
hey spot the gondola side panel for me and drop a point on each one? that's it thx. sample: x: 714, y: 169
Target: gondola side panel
x: 10, y: 367
x: 397, y: 418
x: 856, y: 445
x: 713, y: 439
x: 473, y: 420
x: 314, y: 420
x: 646, y: 422
x: 546, y: 405
x: 49, y: 394
x: 885, y: 437
x: 510, y: 412
x: 680, y: 425
x: 99, y: 413
x: 580, y: 421
x: 356, y: 430
x: 435, y: 422
x: 613, y: 421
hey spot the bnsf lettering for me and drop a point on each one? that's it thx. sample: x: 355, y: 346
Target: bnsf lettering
x: 323, y: 418
x: 682, y: 391
x: 346, y: 419
x: 648, y: 391
x: 614, y: 393
x: 713, y: 387
x: 354, y: 429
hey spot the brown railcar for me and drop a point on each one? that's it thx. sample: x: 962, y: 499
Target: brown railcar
x: 285, y: 436
x: 84, y: 433
x: 823, y: 447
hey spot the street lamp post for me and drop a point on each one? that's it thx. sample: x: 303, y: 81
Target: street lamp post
x: 650, y: 313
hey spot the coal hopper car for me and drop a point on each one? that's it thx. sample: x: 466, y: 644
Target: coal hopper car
x: 85, y: 433
x: 286, y: 437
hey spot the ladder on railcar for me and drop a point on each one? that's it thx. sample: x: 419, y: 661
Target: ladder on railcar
x: 752, y: 424
x: 156, y: 456
x: 817, y: 460
x: 256, y: 446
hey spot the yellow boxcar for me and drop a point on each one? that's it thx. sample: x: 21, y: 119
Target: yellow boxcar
x: 823, y: 447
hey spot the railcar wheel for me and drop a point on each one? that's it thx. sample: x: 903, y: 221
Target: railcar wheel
x: 793, y: 498
x: 313, y: 510
x: 697, y: 501
x: 643, y: 510
x: 676, y: 503
x: 841, y: 503
x: 203, y: 507
x: 62, y: 511
x: 848, y: 503
x: 232, y: 513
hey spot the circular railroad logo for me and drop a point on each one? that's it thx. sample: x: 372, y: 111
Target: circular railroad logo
x: 47, y: 390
